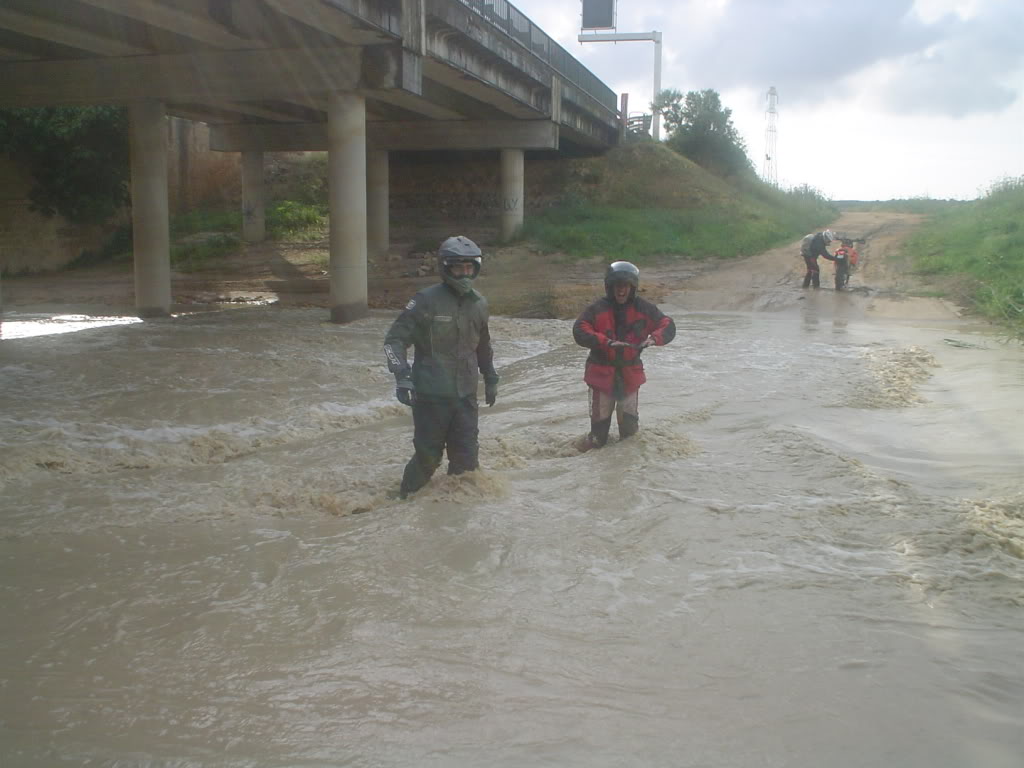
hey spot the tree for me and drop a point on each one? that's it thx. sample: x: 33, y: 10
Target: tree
x: 701, y: 129
x: 78, y: 158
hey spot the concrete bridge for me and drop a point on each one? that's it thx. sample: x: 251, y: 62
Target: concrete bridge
x: 358, y: 78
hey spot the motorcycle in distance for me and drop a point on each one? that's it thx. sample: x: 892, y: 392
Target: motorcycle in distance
x: 846, y: 260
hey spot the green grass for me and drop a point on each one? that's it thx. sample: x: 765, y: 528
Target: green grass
x: 194, y: 256
x: 294, y: 220
x: 747, y: 226
x: 982, y: 243
x: 202, y: 220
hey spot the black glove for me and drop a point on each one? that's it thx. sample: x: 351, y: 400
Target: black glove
x: 490, y: 389
x: 404, y: 389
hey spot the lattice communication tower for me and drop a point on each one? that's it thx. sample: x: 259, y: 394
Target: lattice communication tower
x: 770, y: 172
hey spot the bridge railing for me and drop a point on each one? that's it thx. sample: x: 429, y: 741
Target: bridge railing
x: 516, y: 25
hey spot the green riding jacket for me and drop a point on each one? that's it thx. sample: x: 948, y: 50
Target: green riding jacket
x: 451, y: 339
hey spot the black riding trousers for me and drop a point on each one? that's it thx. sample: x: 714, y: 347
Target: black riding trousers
x: 438, y: 425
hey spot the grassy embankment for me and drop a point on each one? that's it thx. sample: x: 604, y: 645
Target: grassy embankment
x: 974, y: 252
x: 645, y: 203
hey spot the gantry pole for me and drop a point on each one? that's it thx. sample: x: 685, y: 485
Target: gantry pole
x: 628, y: 37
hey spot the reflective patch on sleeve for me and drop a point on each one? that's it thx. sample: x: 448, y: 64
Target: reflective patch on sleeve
x: 411, y: 304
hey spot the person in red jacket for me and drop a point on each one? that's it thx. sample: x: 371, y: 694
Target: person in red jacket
x: 848, y: 251
x: 616, y: 329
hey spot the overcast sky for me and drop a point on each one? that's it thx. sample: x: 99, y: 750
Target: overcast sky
x: 878, y: 99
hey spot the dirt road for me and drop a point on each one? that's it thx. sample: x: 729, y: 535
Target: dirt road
x: 517, y: 280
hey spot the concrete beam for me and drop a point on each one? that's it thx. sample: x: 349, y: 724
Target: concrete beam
x: 73, y: 37
x: 335, y: 18
x: 414, y: 26
x: 409, y: 136
x: 202, y: 77
x: 423, y: 105
x: 176, y: 20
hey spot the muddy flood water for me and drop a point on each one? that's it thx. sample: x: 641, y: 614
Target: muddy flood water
x: 811, y: 555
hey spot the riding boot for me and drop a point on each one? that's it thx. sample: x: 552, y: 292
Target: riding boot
x: 599, y: 432
x: 629, y: 425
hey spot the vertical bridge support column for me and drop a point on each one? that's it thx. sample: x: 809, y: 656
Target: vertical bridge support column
x: 254, y: 221
x: 150, y: 226
x: 346, y: 178
x: 512, y: 192
x: 378, y: 192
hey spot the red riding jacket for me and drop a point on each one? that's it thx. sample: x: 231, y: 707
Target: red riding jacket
x: 605, y: 321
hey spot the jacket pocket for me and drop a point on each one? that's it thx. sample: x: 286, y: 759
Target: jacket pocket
x: 443, y: 335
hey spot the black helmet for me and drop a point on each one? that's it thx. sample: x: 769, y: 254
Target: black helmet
x: 621, y: 271
x: 458, y: 250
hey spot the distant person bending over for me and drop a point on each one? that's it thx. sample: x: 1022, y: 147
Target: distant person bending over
x: 616, y: 329
x: 811, y: 247
x: 447, y: 324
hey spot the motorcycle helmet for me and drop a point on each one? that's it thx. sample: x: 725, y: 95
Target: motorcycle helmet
x: 621, y: 271
x: 829, y: 235
x: 458, y: 250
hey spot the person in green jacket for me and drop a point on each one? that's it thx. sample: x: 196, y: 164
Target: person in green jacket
x: 446, y: 324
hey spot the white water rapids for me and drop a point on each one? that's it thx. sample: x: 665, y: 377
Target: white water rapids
x: 811, y: 555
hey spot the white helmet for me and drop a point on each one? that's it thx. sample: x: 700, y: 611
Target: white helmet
x: 829, y: 235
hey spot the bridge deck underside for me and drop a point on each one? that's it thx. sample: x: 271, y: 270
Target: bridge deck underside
x: 278, y: 61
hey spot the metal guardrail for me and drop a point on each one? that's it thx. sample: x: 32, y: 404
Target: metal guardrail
x: 513, y: 23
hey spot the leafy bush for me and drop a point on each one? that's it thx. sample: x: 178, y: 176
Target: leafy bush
x: 78, y: 158
x: 701, y: 129
x: 116, y: 248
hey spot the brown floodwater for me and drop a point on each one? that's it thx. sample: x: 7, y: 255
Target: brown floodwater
x: 811, y: 555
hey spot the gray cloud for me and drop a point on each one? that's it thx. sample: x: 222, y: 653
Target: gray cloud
x: 813, y: 49
x: 967, y: 73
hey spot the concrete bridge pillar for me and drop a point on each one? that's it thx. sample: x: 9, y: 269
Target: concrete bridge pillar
x: 378, y: 193
x: 150, y: 225
x: 512, y: 191
x: 254, y: 221
x: 346, y: 177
